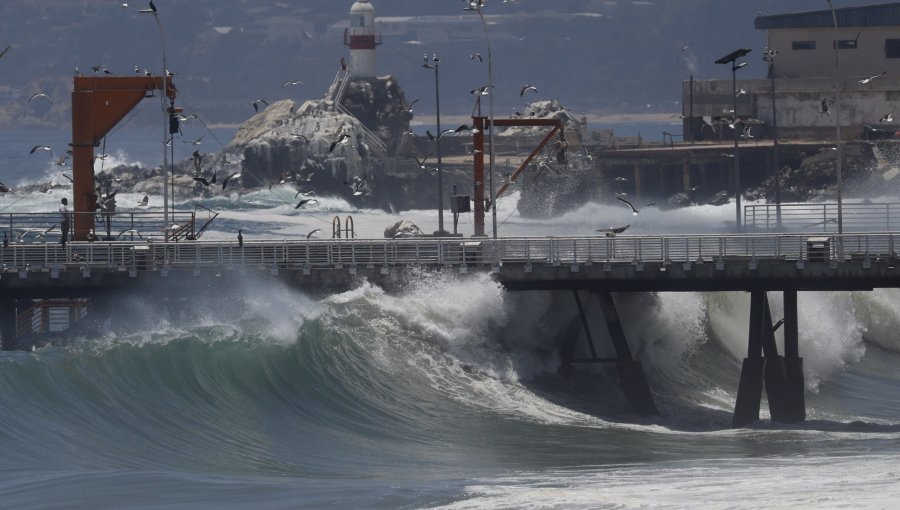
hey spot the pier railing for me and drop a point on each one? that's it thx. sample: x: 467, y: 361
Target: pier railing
x: 18, y: 228
x: 823, y: 217
x: 430, y: 252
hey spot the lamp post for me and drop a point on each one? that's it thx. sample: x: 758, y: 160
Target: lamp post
x: 731, y: 58
x: 165, y: 75
x: 476, y: 5
x: 837, y: 123
x: 434, y: 63
x: 769, y: 56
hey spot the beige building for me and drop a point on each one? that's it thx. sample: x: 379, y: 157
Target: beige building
x: 867, y: 43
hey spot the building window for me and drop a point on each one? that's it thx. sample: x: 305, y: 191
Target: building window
x: 803, y: 45
x: 845, y: 44
x: 892, y: 48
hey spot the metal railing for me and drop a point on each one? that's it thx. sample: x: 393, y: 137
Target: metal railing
x: 322, y: 254
x: 18, y: 228
x: 810, y: 217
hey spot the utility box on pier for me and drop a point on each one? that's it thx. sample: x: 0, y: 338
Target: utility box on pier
x: 141, y: 258
x: 818, y: 249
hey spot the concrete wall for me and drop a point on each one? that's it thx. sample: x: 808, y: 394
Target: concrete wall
x: 866, y: 60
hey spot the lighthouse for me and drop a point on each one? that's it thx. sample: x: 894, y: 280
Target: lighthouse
x: 362, y: 38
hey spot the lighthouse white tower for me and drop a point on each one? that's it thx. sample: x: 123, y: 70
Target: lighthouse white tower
x: 362, y: 38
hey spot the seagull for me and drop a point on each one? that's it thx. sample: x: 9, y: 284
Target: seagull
x: 356, y: 185
x: 296, y: 82
x: 4, y: 188
x: 826, y: 104
x: 300, y: 136
x: 421, y: 162
x: 198, y: 160
x: 228, y: 178
x: 342, y: 140
x: 151, y: 10
x: 620, y: 179
x: 256, y: 102
x: 313, y: 232
x: 612, y: 231
x: 4, y: 50
x: 40, y: 148
x: 195, y: 142
x: 476, y: 56
x: 203, y: 181
x: 526, y: 88
x: 185, y: 118
x: 634, y: 210
x: 870, y: 78
x: 39, y: 94
x: 133, y: 232
x: 304, y: 202
x: 481, y: 91
x: 144, y: 201
x: 887, y: 118
x: 410, y: 108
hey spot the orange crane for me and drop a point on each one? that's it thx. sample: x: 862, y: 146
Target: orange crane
x: 478, y: 126
x: 98, y: 104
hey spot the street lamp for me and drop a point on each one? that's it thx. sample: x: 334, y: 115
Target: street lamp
x: 731, y: 58
x: 434, y: 63
x: 837, y: 123
x: 165, y: 73
x: 769, y: 56
x: 476, y: 5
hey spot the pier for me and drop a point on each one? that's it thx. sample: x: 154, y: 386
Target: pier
x: 598, y: 265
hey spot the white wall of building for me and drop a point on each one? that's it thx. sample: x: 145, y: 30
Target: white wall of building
x: 868, y: 58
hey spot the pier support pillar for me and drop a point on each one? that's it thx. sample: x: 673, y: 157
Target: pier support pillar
x: 686, y: 177
x: 631, y: 374
x: 8, y: 325
x: 637, y: 181
x: 753, y: 369
x: 793, y: 363
x: 776, y: 379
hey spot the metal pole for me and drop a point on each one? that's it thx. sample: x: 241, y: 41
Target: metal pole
x: 775, y: 156
x: 440, y: 173
x: 737, y: 159
x: 491, y: 117
x: 165, y: 168
x: 691, y: 110
x: 837, y: 121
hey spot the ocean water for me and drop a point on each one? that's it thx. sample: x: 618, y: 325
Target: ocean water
x: 443, y: 396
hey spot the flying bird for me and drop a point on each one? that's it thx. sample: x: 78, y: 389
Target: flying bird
x: 4, y: 188
x: 203, y: 181
x: 151, y: 10
x: 296, y: 82
x: 228, y: 178
x: 476, y: 56
x: 256, y: 102
x: 421, y: 162
x: 313, y: 232
x: 195, y: 142
x: 304, y: 202
x: 40, y: 148
x: 612, y: 231
x: 870, y: 78
x: 634, y: 210
x: 481, y: 91
x: 410, y: 107
x: 887, y: 118
x: 526, y: 88
x: 342, y: 140
x: 38, y: 95
x: 4, y: 50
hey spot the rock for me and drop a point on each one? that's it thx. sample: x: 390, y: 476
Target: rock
x: 720, y: 198
x: 403, y: 229
x: 680, y: 199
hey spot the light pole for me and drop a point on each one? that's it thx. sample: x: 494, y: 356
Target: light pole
x: 165, y: 75
x: 476, y: 5
x: 770, y: 58
x: 435, y: 64
x: 837, y: 123
x: 731, y: 58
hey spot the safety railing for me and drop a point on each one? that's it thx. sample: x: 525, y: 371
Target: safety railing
x: 44, y: 227
x: 822, y: 217
x: 312, y: 254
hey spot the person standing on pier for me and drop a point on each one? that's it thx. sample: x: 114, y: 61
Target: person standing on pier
x: 240, y: 239
x: 64, y: 220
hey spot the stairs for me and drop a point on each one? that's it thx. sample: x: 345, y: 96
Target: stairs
x: 336, y: 93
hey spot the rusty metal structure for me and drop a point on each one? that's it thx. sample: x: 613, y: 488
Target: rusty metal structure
x: 479, y: 124
x: 98, y: 104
